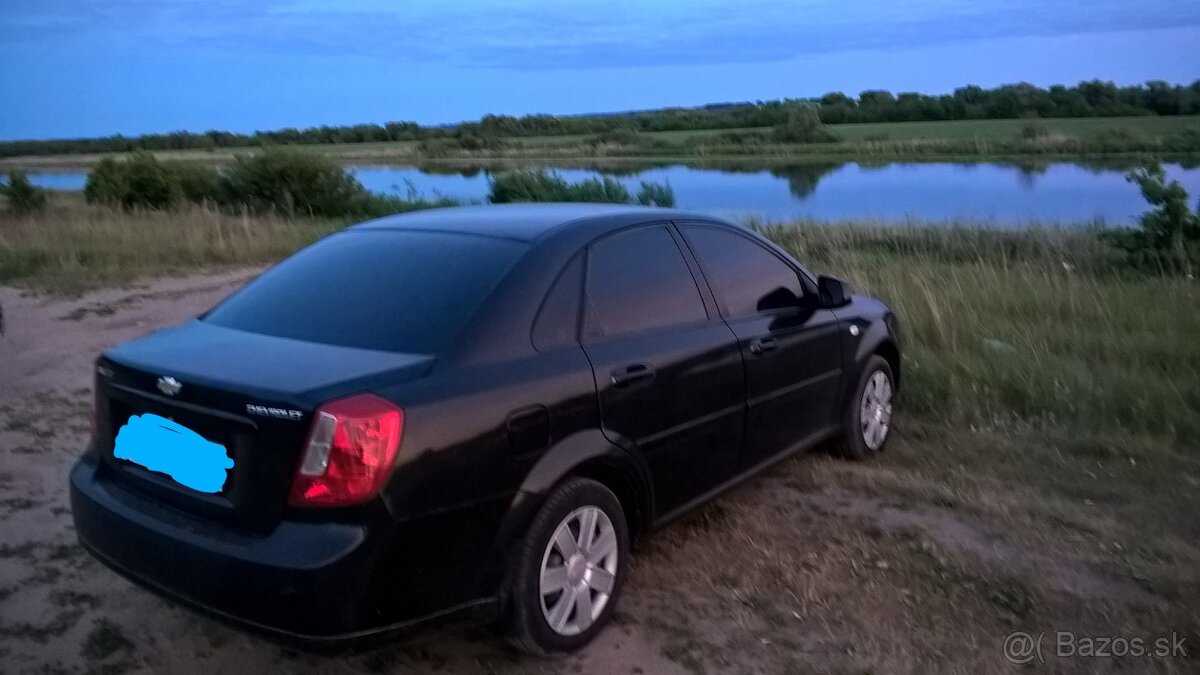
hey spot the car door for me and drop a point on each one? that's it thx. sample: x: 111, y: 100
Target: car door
x: 668, y: 371
x: 791, y: 346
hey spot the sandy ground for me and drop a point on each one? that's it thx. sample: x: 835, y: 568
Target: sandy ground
x: 903, y: 565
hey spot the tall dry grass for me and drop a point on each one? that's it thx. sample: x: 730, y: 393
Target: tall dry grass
x: 1042, y: 328
x: 72, y: 246
x: 1038, y: 328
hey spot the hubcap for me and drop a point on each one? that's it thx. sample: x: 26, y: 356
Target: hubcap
x: 875, y: 411
x: 579, y: 570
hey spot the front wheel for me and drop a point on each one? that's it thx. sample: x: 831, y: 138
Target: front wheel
x: 867, y: 419
x: 568, y: 570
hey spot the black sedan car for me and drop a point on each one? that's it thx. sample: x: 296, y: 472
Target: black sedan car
x: 464, y: 415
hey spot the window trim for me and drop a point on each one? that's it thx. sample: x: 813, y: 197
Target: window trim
x: 575, y: 339
x: 803, y: 276
x: 586, y: 314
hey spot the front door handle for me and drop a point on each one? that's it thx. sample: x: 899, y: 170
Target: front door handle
x: 632, y: 374
x: 762, y: 345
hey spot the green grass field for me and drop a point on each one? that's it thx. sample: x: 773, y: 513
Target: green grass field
x: 932, y: 141
x: 1151, y: 126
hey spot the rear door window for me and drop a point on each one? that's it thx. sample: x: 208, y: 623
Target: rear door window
x: 639, y: 281
x: 388, y: 290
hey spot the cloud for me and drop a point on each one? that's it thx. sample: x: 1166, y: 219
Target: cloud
x: 545, y: 34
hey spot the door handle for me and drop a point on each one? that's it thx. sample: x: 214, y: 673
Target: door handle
x: 632, y: 374
x: 763, y: 345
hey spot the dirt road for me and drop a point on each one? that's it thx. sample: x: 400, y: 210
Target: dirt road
x: 922, y: 561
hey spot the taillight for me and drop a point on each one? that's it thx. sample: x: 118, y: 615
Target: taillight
x: 350, y: 451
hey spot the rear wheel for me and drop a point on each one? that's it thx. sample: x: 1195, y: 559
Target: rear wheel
x: 867, y: 419
x: 569, y: 569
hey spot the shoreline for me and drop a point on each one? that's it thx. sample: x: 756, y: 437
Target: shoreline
x: 1123, y: 159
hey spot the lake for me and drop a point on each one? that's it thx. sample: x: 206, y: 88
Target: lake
x: 1003, y: 195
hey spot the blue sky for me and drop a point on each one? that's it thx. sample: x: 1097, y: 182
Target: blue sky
x: 96, y: 67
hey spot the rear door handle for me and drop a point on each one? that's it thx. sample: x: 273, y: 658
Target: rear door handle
x: 763, y: 345
x: 630, y: 375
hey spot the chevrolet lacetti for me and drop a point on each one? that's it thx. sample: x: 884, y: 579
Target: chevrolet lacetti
x: 464, y: 415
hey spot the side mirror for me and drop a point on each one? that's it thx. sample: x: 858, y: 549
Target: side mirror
x: 833, y: 291
x: 780, y: 298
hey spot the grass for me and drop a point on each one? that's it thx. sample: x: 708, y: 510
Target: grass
x: 73, y: 246
x: 965, y: 139
x: 1079, y: 126
x: 952, y: 129
x: 1041, y: 328
x: 1038, y: 328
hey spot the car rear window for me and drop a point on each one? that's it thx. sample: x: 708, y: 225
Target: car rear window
x: 389, y: 290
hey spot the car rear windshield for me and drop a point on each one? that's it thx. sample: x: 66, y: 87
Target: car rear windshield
x: 389, y: 290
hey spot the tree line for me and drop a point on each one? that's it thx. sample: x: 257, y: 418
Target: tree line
x: 1087, y: 99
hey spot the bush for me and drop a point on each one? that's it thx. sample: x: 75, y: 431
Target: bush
x: 470, y: 142
x: 617, y: 136
x: 291, y: 182
x: 656, y: 194
x: 280, y: 180
x: 140, y: 181
x: 1034, y: 130
x: 1169, y: 237
x: 438, y: 147
x: 474, y: 143
x: 527, y: 186
x: 535, y: 185
x: 1118, y: 139
x: 544, y: 186
x: 23, y: 197
x: 598, y: 190
x: 728, y: 138
x: 194, y: 182
x: 377, y: 205
x: 803, y: 125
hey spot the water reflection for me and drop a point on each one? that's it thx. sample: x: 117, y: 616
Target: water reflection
x: 802, y: 179
x: 1006, y: 194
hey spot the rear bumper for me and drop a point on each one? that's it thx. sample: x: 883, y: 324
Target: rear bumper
x: 312, y: 584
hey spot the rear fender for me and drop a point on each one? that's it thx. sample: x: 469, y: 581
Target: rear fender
x: 588, y: 453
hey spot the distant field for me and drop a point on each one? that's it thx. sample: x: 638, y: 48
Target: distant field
x: 966, y: 139
x: 1153, y: 126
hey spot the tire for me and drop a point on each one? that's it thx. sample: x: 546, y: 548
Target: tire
x: 528, y: 622
x: 861, y: 437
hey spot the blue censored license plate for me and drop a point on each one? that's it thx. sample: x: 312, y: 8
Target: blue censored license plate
x: 165, y: 446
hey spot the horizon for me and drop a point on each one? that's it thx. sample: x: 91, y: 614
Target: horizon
x: 94, y: 69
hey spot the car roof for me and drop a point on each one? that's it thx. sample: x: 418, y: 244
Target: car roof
x: 525, y: 222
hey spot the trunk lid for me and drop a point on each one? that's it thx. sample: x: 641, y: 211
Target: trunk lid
x: 253, y: 394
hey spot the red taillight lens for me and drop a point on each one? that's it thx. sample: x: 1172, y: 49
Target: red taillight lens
x: 350, y: 451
